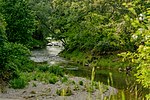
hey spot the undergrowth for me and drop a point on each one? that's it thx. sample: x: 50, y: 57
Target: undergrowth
x: 43, y: 73
x: 101, y: 61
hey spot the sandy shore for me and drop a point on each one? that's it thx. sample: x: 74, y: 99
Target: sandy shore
x: 42, y: 91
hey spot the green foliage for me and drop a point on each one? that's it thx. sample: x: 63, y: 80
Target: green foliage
x: 13, y: 57
x: 56, y: 70
x: 148, y: 96
x: 76, y: 56
x: 107, y: 62
x: 2, y: 30
x: 18, y: 83
x: 20, y: 21
x: 92, y: 34
x: 143, y: 73
x: 51, y: 69
x: 111, y: 62
x: 53, y: 78
x: 44, y: 73
x: 141, y: 57
x: 42, y: 12
x: 64, y: 79
x: 64, y: 92
x: 45, y: 77
x: 81, y: 82
x: 85, y: 28
x: 84, y: 25
x: 43, y: 68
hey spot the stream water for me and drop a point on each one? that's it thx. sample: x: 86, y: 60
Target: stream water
x: 49, y: 55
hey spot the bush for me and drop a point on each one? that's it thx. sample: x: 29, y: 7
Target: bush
x: 53, y: 79
x: 20, y: 21
x: 43, y: 68
x: 2, y: 30
x: 18, y: 83
x: 56, y: 70
x: 13, y: 57
x: 64, y: 79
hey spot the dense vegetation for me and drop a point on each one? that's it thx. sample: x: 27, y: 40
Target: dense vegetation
x: 89, y: 29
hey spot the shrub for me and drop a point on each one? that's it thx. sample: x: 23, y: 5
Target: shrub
x: 53, y: 79
x: 18, y: 83
x: 64, y: 79
x: 2, y: 30
x: 56, y: 70
x: 20, y: 21
x: 43, y: 68
x: 13, y: 57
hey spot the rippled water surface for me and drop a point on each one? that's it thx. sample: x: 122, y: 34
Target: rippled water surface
x: 48, y: 54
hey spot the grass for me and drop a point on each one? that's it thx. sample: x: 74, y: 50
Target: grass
x: 103, y: 62
x: 64, y: 92
x: 122, y: 94
x: 64, y: 79
x: 51, y: 69
x: 43, y: 73
x: 18, y: 83
x: 111, y: 62
x: 75, y: 56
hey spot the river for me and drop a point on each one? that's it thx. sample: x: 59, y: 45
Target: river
x: 121, y: 81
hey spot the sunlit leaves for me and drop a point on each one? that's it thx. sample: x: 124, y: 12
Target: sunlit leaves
x: 142, y: 30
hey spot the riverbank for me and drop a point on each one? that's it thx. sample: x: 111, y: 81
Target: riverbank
x: 76, y: 88
x: 48, y: 81
x: 48, y: 75
x: 122, y: 73
x: 78, y: 62
x: 86, y: 59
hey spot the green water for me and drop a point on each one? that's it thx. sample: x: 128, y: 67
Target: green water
x: 121, y: 81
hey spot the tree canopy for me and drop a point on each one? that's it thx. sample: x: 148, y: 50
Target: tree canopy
x: 94, y: 27
x: 20, y: 21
